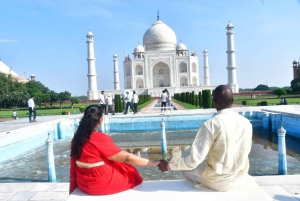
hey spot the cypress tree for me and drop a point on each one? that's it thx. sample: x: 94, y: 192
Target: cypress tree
x: 196, y: 100
x: 206, y: 98
x: 193, y: 98
x: 200, y: 99
x: 187, y: 97
x: 118, y: 103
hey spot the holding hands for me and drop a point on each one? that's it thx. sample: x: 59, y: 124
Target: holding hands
x: 163, y: 165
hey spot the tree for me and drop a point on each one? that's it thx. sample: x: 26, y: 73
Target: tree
x: 206, y: 98
x: 53, y: 97
x: 63, y: 97
x: 41, y: 98
x: 288, y: 90
x: 35, y: 87
x: 295, y: 85
x: 73, y: 100
x: 279, y: 92
x: 261, y: 87
x: 10, y: 91
x: 200, y: 99
x: 118, y: 103
x: 196, y: 100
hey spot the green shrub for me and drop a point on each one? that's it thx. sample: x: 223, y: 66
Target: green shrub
x: 206, y: 98
x: 244, y: 102
x: 187, y: 97
x: 182, y: 97
x: 82, y: 109
x: 263, y: 103
x: 200, y: 103
x: 63, y: 112
x: 196, y: 100
x: 193, y: 98
x: 118, y: 103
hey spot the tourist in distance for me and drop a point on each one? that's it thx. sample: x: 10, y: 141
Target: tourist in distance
x: 284, y: 101
x: 163, y: 100
x: 102, y: 102
x: 218, y: 158
x: 110, y: 106
x: 97, y: 165
x: 135, y: 100
x: 15, y: 115
x: 31, y: 109
x: 128, y: 98
x: 169, y: 99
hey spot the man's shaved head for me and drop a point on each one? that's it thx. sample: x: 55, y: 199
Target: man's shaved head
x: 222, y: 97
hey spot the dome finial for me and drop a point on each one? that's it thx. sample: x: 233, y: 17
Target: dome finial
x: 157, y: 15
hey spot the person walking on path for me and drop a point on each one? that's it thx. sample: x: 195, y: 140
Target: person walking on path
x: 218, y: 158
x: 163, y: 100
x: 15, y: 114
x: 110, y: 106
x: 128, y: 97
x: 135, y: 101
x: 102, y: 102
x: 169, y: 99
x: 31, y: 109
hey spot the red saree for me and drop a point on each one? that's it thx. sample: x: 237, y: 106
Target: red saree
x: 110, y: 178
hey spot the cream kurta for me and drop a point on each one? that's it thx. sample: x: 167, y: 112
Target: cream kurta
x: 219, y: 154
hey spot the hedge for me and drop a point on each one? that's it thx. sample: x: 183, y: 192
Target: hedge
x: 118, y: 103
x: 206, y: 99
x: 200, y: 103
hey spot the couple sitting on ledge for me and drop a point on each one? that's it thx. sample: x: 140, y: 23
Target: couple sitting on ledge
x: 218, y: 158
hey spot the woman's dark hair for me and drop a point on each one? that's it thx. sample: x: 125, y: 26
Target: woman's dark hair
x: 87, y: 126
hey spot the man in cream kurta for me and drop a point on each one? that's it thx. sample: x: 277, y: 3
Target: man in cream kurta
x: 218, y: 158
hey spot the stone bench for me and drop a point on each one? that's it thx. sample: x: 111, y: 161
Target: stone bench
x: 175, y: 190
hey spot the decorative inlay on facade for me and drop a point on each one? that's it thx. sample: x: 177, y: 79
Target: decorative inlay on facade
x: 164, y: 60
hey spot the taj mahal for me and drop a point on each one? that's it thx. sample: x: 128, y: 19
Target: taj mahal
x: 161, y: 63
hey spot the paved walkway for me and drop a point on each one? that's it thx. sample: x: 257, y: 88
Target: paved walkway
x: 280, y: 188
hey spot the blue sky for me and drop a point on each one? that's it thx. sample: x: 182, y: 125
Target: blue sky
x: 48, y: 37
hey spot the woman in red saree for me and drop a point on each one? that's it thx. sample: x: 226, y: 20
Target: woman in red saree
x: 98, y: 166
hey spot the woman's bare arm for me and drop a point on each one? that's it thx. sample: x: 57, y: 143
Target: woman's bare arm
x: 132, y: 159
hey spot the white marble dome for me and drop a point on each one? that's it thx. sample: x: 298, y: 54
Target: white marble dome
x: 89, y: 33
x: 159, y: 37
x: 181, y: 46
x: 139, y: 48
x: 229, y: 25
x: 205, y: 50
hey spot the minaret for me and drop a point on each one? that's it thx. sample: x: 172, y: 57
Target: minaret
x: 295, y: 68
x: 231, y: 66
x: 206, y: 68
x: 92, y: 93
x: 116, y: 72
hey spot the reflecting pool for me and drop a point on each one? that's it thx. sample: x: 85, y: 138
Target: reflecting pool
x: 32, y: 165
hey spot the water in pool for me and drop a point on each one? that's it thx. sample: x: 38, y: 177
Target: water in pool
x: 32, y: 166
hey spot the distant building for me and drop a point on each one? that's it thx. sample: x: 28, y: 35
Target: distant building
x: 295, y: 68
x: 162, y: 63
x: 8, y: 71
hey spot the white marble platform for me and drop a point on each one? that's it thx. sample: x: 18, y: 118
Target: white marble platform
x: 177, y: 190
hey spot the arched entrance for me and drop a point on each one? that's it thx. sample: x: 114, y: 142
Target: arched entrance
x: 183, y: 81
x: 139, y: 83
x: 161, y: 75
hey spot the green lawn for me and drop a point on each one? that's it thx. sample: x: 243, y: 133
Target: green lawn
x: 273, y: 101
x: 22, y: 112
x: 186, y: 105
